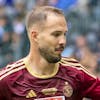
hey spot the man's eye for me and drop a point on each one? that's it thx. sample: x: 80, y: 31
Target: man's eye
x: 56, y: 34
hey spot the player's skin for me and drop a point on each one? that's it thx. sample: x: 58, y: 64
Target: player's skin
x: 47, y: 44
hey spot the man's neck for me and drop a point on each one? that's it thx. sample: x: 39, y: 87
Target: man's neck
x: 40, y: 66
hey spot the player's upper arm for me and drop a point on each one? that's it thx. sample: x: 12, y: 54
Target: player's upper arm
x: 91, y: 86
x: 89, y: 83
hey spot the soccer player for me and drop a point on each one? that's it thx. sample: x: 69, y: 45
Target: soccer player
x: 44, y: 74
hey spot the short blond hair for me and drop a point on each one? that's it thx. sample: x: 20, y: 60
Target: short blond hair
x: 39, y: 15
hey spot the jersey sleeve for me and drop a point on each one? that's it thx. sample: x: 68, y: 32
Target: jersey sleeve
x: 88, y: 83
x: 90, y: 86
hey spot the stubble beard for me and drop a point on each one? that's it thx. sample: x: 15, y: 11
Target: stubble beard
x: 45, y: 53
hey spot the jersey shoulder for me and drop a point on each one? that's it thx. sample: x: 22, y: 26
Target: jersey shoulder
x: 12, y: 68
x: 70, y: 62
x: 75, y: 64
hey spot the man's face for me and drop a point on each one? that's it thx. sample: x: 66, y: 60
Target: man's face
x: 52, y: 39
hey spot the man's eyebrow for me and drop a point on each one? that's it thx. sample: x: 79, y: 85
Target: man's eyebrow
x: 60, y: 31
x: 57, y: 32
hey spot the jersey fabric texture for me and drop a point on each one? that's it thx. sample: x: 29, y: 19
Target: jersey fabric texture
x: 70, y: 80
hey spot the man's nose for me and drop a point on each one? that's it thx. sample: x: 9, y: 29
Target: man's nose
x: 62, y: 40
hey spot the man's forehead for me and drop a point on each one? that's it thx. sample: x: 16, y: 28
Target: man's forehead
x: 54, y: 20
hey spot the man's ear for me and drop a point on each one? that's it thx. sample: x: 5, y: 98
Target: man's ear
x: 34, y: 35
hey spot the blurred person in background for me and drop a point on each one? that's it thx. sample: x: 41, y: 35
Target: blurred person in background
x: 84, y: 55
x: 17, y: 37
x: 98, y: 57
x: 5, y: 41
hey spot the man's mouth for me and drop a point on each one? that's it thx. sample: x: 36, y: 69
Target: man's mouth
x: 59, y: 49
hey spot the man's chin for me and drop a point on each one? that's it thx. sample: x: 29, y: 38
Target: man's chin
x: 54, y: 59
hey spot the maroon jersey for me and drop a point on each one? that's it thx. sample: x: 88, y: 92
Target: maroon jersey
x: 69, y: 81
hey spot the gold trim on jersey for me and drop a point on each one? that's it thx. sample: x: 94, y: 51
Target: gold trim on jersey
x: 11, y: 68
x: 70, y: 62
x: 30, y: 70
x: 69, y: 59
x: 49, y: 91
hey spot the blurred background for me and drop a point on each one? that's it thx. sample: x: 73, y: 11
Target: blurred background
x: 83, y: 37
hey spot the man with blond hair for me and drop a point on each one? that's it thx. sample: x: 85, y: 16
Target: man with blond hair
x: 43, y: 74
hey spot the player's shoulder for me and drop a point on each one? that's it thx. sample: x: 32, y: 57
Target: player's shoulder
x: 70, y: 64
x: 12, y: 68
x: 74, y: 65
x: 67, y: 61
